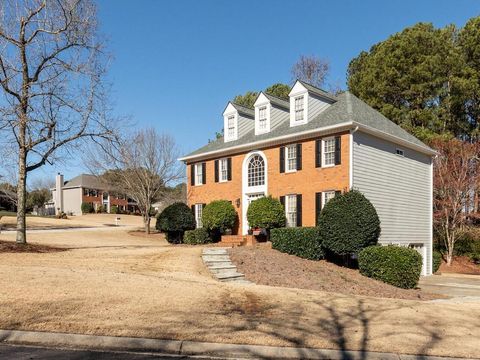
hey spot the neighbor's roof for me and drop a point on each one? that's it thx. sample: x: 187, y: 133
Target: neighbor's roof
x: 347, y: 109
x: 85, y: 181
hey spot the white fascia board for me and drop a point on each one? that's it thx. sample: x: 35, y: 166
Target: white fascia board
x: 256, y: 144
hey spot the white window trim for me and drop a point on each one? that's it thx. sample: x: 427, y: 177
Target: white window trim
x: 287, y: 170
x: 324, y: 196
x: 198, y: 220
x: 305, y: 95
x: 287, y: 205
x: 196, y: 172
x: 220, y: 162
x: 268, y: 110
x: 323, y: 152
x: 235, y: 124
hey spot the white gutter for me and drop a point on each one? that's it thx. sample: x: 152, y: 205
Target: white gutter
x: 345, y: 125
x: 350, y: 163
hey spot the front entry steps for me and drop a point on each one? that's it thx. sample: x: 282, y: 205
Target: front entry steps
x: 237, y: 240
x: 218, y: 262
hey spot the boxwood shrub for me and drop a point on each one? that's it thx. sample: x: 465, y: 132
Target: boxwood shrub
x: 394, y: 265
x: 302, y: 241
x: 174, y: 220
x: 87, y: 208
x: 219, y: 215
x: 437, y: 261
x: 196, y: 237
x: 266, y: 213
x: 348, y: 223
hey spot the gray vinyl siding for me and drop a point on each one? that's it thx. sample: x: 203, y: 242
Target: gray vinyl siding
x: 399, y: 188
x: 244, y: 125
x: 315, y: 106
x: 278, y: 116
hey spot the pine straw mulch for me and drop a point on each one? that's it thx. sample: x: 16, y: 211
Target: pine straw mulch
x: 266, y: 266
x: 12, y: 247
x: 460, y: 265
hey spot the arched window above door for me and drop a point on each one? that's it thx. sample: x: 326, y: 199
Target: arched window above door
x: 256, y: 171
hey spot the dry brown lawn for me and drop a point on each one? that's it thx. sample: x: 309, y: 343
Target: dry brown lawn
x: 113, y: 283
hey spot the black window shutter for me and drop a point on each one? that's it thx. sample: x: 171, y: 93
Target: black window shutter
x: 299, y: 156
x: 282, y: 159
x: 204, y: 173
x: 318, y: 153
x: 338, y: 192
x: 203, y: 206
x: 282, y: 200
x: 299, y: 209
x: 318, y: 206
x: 338, y: 150
x: 229, y: 169
x: 216, y: 170
x: 192, y: 174
x: 193, y: 209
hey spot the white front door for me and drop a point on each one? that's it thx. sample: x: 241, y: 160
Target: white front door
x: 250, y: 198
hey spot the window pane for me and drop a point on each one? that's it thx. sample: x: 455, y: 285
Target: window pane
x: 231, y: 126
x: 198, y: 174
x: 291, y: 157
x: 299, y: 108
x: 328, y: 195
x: 291, y: 210
x: 329, y: 152
x: 198, y: 215
x: 262, y: 118
x: 256, y: 171
x: 223, y: 170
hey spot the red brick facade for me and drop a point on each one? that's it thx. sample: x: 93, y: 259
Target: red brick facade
x: 308, y: 181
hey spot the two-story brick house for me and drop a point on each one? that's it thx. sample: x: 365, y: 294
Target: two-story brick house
x: 305, y: 150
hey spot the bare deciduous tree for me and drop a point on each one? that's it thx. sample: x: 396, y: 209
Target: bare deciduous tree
x: 142, y: 167
x: 311, y: 69
x: 52, y: 66
x: 456, y: 175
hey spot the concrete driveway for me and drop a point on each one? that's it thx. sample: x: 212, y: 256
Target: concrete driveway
x: 452, y: 285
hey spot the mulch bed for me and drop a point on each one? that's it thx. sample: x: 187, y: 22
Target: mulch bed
x: 460, y: 265
x: 266, y: 266
x: 12, y: 247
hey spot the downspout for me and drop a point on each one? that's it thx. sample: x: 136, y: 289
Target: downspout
x: 350, y: 172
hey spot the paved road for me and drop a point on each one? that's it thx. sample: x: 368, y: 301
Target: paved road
x: 450, y: 285
x: 37, y: 353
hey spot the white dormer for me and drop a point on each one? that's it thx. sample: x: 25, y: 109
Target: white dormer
x: 306, y: 102
x: 230, y: 123
x: 262, y: 114
x: 237, y: 121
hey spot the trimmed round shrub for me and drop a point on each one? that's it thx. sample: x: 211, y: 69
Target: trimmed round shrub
x: 196, y: 237
x: 437, y: 261
x: 86, y: 208
x: 394, y: 265
x: 174, y: 220
x: 303, y: 242
x: 266, y: 213
x: 114, y: 209
x: 348, y: 223
x: 219, y: 215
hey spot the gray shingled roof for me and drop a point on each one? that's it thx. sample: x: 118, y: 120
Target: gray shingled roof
x: 347, y: 107
x: 317, y: 91
x: 85, y: 181
x: 244, y: 110
x: 277, y: 101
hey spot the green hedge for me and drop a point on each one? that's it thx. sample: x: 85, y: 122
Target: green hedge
x: 437, y: 261
x: 87, y: 208
x: 266, y: 213
x: 174, y: 220
x: 196, y: 237
x: 394, y: 265
x: 348, y: 223
x: 219, y: 215
x: 302, y: 241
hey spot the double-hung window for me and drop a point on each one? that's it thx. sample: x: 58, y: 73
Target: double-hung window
x: 198, y: 215
x: 223, y: 170
x: 231, y: 126
x: 291, y: 210
x: 299, y: 108
x: 327, y: 196
x: 291, y: 158
x: 262, y: 118
x: 329, y: 151
x: 198, y: 174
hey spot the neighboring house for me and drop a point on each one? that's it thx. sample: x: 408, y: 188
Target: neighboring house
x: 306, y: 150
x: 68, y: 196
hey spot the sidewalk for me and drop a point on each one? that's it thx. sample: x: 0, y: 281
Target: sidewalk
x: 190, y: 348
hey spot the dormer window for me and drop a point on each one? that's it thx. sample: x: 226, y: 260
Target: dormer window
x: 231, y: 127
x: 262, y: 118
x: 299, y: 108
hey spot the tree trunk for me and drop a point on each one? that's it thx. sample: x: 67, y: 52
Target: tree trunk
x: 146, y: 222
x: 21, y: 198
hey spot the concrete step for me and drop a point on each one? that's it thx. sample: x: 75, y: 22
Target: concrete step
x: 220, y: 251
x: 239, y: 280
x: 215, y: 258
x: 222, y: 275
x: 222, y: 267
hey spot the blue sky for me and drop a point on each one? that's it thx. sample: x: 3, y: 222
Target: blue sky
x: 177, y: 63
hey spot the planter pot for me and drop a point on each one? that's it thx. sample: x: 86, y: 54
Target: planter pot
x: 228, y: 231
